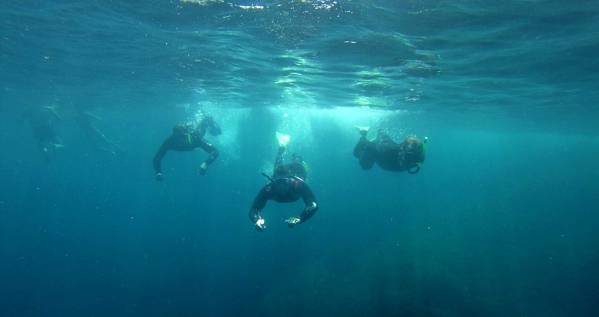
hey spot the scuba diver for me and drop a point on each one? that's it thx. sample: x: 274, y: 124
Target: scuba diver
x: 95, y: 136
x: 42, y: 121
x: 389, y: 155
x: 186, y: 137
x: 287, y: 184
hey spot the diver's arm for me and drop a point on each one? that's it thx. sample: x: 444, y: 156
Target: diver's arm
x: 212, y: 155
x: 160, y: 154
x: 310, y: 203
x: 257, y: 206
x: 254, y: 214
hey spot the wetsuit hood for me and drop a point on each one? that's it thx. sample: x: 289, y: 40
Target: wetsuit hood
x: 413, y: 149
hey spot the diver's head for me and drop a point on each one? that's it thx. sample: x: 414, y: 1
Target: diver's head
x: 412, y: 143
x: 414, y: 148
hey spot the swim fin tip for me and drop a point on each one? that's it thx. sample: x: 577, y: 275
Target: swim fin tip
x: 283, y: 139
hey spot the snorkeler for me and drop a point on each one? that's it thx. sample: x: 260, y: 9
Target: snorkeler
x: 287, y: 184
x: 42, y: 121
x: 187, y: 137
x: 389, y: 155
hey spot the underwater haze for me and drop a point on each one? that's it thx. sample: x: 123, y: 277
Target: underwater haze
x: 501, y: 220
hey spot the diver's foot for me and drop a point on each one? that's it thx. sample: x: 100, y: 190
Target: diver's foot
x: 363, y: 130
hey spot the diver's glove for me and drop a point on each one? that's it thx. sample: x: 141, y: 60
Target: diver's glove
x: 260, y: 224
x: 203, y: 168
x: 159, y: 177
x: 292, y: 221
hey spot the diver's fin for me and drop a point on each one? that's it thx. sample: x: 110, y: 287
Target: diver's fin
x: 363, y: 130
x: 283, y: 139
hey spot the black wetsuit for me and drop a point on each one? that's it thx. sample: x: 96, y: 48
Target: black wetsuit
x: 387, y: 154
x: 185, y: 139
x: 287, y: 185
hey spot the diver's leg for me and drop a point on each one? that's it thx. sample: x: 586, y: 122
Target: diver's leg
x: 365, y: 151
x: 361, y: 146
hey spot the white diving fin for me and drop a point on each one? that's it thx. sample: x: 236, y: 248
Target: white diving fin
x: 283, y: 139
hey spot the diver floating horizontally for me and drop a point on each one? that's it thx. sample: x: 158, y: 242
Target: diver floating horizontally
x: 389, y: 155
x: 287, y: 184
x: 187, y: 137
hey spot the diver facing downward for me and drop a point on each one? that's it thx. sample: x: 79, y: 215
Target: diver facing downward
x: 287, y: 184
x: 187, y: 137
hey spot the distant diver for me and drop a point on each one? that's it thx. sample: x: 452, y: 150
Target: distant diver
x: 287, y: 184
x: 389, y: 155
x: 187, y: 137
x: 96, y: 138
x: 43, y: 120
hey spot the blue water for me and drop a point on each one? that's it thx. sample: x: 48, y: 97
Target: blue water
x: 501, y: 221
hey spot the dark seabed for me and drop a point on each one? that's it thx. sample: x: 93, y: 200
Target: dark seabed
x: 501, y: 220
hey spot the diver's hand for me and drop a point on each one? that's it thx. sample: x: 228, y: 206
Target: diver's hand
x: 203, y: 168
x: 159, y: 177
x: 260, y: 224
x: 292, y: 221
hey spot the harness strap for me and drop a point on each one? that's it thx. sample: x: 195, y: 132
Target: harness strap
x: 268, y: 177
